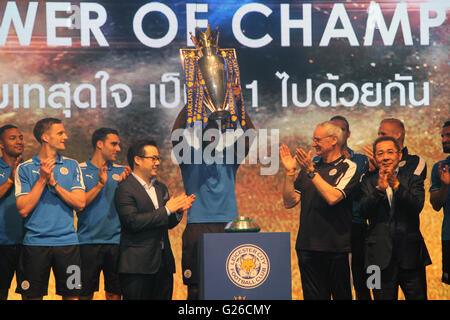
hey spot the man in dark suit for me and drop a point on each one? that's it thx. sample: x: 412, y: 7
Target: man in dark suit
x: 392, y: 200
x: 146, y: 212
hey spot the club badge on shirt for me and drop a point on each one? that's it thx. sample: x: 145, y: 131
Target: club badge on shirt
x: 64, y: 171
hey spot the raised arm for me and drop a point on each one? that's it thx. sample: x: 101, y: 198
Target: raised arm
x: 290, y: 197
x: 331, y: 194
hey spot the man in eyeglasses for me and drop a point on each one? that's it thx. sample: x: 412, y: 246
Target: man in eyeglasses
x: 146, y: 212
x: 414, y: 164
x: 323, y: 190
x: 392, y: 200
x: 98, y: 224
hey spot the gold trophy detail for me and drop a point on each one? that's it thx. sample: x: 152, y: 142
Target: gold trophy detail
x: 210, y: 73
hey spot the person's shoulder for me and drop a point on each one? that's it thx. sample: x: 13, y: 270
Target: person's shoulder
x: 83, y: 165
x: 359, y: 157
x: 415, y: 163
x: 348, y: 164
x: 159, y: 184
x: 127, y: 182
x: 69, y: 161
x: 443, y: 162
x: 117, y: 168
x: 26, y: 165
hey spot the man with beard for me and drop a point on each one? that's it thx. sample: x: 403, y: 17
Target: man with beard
x: 98, y: 224
x: 48, y: 188
x: 11, y: 223
x: 323, y: 190
x: 392, y: 201
x: 440, y: 198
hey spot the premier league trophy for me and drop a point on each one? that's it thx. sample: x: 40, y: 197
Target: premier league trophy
x: 210, y: 73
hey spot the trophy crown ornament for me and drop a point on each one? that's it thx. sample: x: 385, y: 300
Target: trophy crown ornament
x: 206, y: 39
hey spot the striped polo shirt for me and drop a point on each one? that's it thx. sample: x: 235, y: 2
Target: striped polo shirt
x: 51, y: 223
x: 324, y: 227
x: 99, y: 223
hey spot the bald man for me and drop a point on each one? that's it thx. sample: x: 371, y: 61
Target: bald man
x: 395, y: 128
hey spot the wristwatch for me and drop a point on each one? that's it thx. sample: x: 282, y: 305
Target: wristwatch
x: 311, y: 174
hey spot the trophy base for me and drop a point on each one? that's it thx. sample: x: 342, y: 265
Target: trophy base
x: 219, y: 115
x: 242, y: 224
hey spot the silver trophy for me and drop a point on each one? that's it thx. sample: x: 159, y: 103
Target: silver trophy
x: 211, y: 65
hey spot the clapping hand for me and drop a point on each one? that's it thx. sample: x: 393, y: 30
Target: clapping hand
x: 304, y: 159
x: 383, y: 180
x: 181, y: 202
x: 46, y: 168
x: 287, y: 160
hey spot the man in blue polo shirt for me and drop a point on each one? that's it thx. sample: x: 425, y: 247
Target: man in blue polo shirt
x: 11, y: 223
x: 98, y: 224
x: 440, y: 198
x: 48, y: 188
x: 212, y: 183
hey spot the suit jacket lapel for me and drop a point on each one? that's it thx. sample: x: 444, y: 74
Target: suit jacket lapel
x: 159, y: 195
x: 141, y: 193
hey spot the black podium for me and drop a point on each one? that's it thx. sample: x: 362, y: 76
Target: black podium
x: 250, y: 266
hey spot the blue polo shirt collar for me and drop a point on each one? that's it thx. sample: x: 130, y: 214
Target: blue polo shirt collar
x: 4, y: 165
x: 36, y: 160
x: 90, y: 164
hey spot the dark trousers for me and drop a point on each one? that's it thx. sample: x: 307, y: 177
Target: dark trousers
x: 325, y: 275
x: 158, y: 286
x: 413, y: 283
x: 359, y: 274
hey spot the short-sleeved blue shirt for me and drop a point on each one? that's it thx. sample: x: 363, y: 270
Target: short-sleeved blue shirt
x: 436, y: 185
x: 213, y: 184
x: 51, y: 222
x: 99, y: 222
x: 11, y: 223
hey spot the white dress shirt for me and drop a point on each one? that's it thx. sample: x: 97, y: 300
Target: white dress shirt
x: 150, y: 189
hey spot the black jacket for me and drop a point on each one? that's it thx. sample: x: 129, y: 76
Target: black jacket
x: 144, y: 230
x: 394, y: 232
